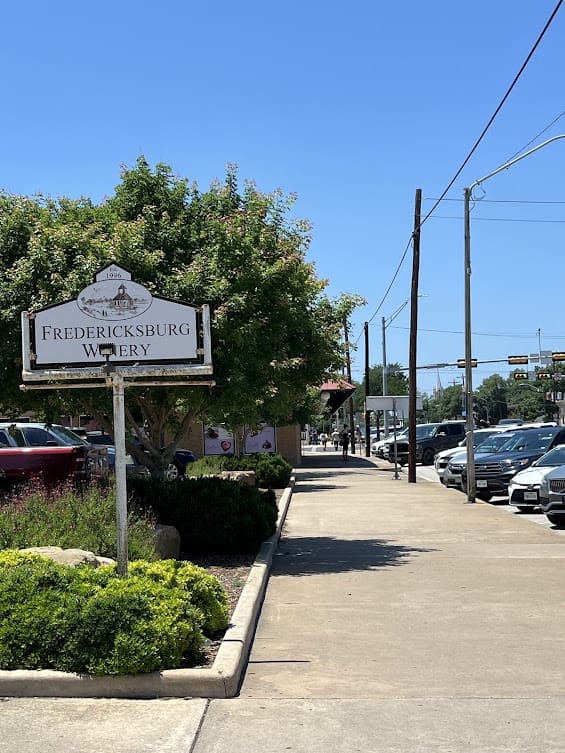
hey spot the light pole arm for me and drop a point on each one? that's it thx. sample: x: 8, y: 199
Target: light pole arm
x: 511, y: 162
x: 467, y: 192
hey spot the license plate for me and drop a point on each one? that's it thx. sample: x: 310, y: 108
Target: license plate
x: 482, y: 484
x: 530, y: 496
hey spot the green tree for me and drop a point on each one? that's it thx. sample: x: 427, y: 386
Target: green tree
x: 274, y: 331
x: 447, y: 405
x: 397, y: 383
x: 491, y: 400
x: 532, y: 400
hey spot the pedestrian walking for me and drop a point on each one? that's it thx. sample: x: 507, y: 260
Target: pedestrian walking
x: 344, y: 442
x: 323, y: 439
x: 335, y: 439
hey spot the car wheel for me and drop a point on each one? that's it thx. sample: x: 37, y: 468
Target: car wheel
x: 173, y: 472
x: 428, y: 456
x: 556, y: 520
x: 484, y: 496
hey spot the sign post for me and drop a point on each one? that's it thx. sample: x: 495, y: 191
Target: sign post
x: 393, y: 403
x: 121, y: 478
x: 116, y: 334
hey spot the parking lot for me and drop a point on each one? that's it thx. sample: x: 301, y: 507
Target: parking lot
x: 428, y: 473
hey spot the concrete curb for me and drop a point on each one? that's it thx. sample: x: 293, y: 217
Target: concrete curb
x: 222, y: 680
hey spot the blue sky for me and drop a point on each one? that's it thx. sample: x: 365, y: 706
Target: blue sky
x: 350, y: 106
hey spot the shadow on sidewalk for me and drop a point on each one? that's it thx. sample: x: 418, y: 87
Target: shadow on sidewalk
x: 312, y: 555
x: 334, y: 460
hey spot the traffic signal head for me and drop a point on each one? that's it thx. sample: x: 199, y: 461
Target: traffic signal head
x: 518, y: 359
x: 558, y: 357
x: 518, y: 375
x: 461, y: 362
x: 543, y: 375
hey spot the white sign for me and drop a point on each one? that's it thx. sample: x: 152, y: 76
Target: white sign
x: 115, y: 311
x: 218, y: 441
x: 262, y: 440
x: 399, y: 403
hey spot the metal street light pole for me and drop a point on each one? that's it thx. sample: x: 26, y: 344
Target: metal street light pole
x: 385, y: 379
x: 467, y: 193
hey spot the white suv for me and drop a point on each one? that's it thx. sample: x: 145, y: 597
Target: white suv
x: 442, y: 458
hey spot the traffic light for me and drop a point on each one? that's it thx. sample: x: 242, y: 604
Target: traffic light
x: 518, y: 359
x: 543, y: 375
x: 518, y: 375
x: 557, y: 357
x: 461, y: 362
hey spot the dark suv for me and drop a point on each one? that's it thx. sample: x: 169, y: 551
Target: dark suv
x: 493, y: 471
x: 430, y: 439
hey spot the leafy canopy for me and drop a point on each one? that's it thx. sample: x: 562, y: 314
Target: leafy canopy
x: 274, y: 332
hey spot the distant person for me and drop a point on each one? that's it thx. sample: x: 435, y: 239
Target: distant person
x: 344, y: 442
x: 335, y: 439
x: 323, y: 439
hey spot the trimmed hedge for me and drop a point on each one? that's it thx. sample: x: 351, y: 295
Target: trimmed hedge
x: 271, y: 471
x: 212, y: 515
x: 91, y: 621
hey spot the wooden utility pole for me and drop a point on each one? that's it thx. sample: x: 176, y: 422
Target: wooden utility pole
x: 413, y: 342
x: 350, y: 401
x: 367, y: 412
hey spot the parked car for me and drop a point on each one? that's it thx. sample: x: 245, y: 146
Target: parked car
x: 445, y: 456
x: 176, y: 468
x: 552, y: 496
x: 523, y: 490
x: 378, y: 446
x: 81, y: 461
x: 458, y: 462
x: 430, y: 439
x: 494, y: 471
x: 133, y: 466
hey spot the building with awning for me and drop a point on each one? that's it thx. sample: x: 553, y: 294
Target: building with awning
x: 334, y: 394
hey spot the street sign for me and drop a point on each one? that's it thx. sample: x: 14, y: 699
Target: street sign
x: 399, y: 403
x: 143, y: 328
x: 116, y: 332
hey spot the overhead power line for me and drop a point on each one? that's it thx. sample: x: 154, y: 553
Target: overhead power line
x: 474, y: 147
x: 502, y: 201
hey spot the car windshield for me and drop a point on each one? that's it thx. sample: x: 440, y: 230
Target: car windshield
x: 478, y: 437
x: 493, y: 443
x: 66, y: 436
x: 554, y: 457
x: 536, y: 441
x: 426, y: 430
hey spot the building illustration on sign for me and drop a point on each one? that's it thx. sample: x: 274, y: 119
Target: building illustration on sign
x: 98, y: 302
x: 115, y: 310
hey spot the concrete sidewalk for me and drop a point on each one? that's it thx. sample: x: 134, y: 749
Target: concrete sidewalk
x: 397, y: 618
x: 400, y: 618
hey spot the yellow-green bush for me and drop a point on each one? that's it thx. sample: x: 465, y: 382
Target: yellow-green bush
x: 91, y: 621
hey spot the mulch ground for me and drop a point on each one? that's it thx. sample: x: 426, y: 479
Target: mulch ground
x: 232, y: 571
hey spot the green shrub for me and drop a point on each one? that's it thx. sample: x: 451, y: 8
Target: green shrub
x: 91, y: 621
x: 212, y: 515
x: 72, y: 518
x: 271, y: 470
x: 205, y: 590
